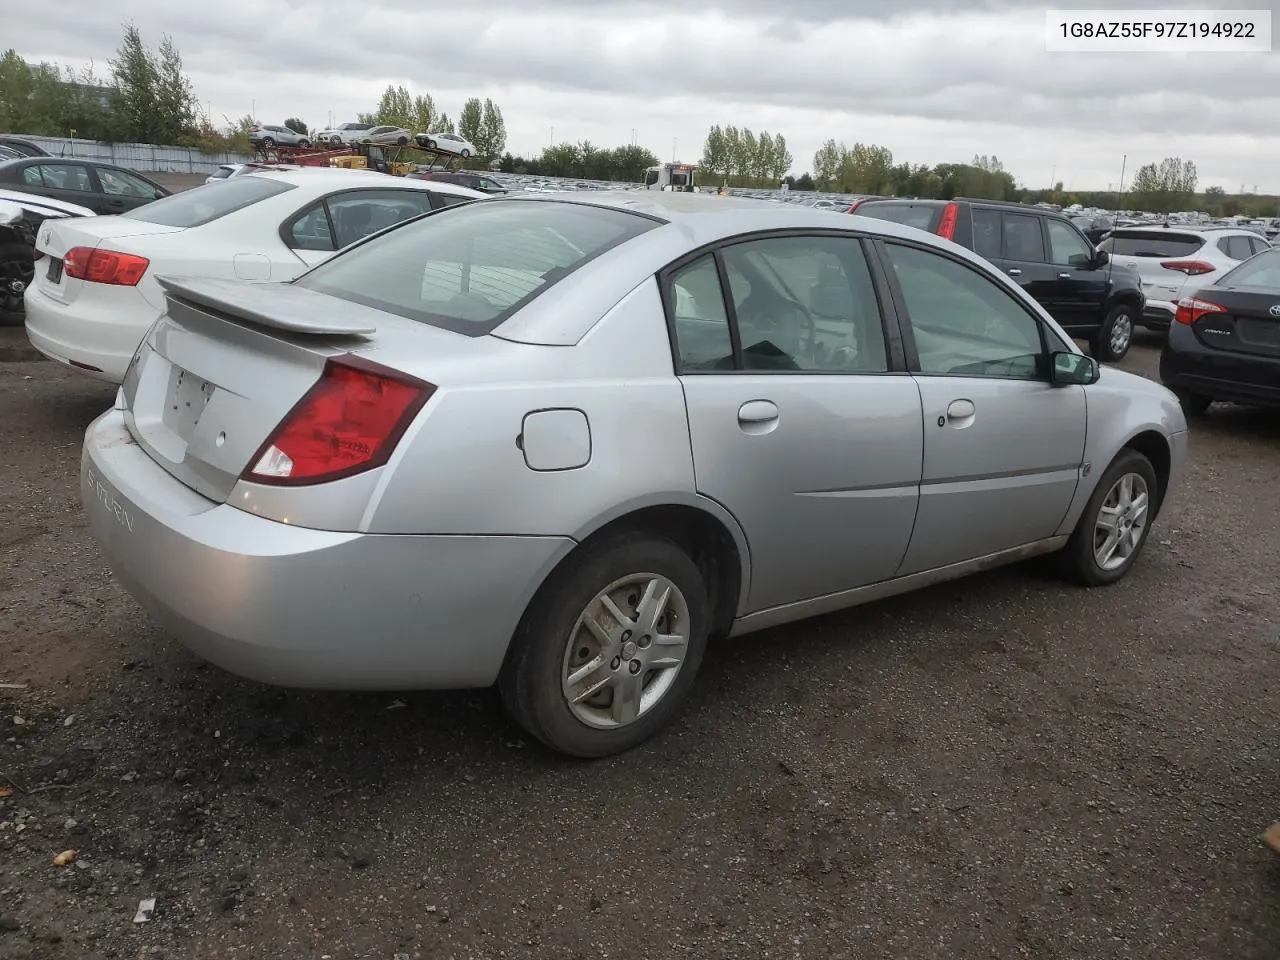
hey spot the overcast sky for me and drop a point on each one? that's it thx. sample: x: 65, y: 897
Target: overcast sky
x: 932, y: 81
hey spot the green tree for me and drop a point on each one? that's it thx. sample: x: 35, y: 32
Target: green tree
x: 715, y: 161
x: 493, y: 130
x: 444, y: 124
x: 175, y: 107
x: 15, y: 93
x: 137, y: 82
x: 297, y: 126
x: 423, y: 115
x: 1164, y: 187
x: 469, y: 123
x: 782, y: 158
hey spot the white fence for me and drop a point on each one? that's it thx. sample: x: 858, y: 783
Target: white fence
x: 143, y: 157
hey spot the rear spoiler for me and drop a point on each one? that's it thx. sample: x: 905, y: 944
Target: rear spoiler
x: 280, y: 306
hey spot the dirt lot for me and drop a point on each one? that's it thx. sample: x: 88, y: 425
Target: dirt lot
x: 1003, y: 767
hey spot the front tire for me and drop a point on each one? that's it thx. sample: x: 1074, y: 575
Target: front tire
x: 608, y: 650
x: 466, y: 154
x: 267, y: 143
x: 1112, y: 341
x: 304, y: 144
x: 1116, y: 522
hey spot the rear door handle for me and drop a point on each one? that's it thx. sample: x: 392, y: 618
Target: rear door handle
x: 757, y: 411
x: 1015, y: 272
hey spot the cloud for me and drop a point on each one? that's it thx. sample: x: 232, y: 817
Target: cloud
x: 932, y: 83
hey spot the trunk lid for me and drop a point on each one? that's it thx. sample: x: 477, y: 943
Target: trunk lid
x: 228, y: 361
x: 56, y: 237
x: 1247, y: 324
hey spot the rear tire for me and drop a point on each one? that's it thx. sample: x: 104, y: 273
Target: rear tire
x: 1090, y: 557
x: 1112, y: 341
x: 403, y: 142
x: 17, y: 262
x: 628, y: 658
x: 1193, y: 404
x: 304, y: 144
x: 466, y: 154
x: 267, y: 143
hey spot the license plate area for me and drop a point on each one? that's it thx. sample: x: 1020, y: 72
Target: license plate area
x: 185, y: 401
x: 54, y: 274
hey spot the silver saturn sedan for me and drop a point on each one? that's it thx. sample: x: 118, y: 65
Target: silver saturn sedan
x: 557, y: 442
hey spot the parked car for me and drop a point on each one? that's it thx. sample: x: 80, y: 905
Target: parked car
x: 447, y: 143
x: 103, y: 188
x: 463, y: 178
x: 1172, y: 261
x: 100, y: 291
x: 8, y: 153
x: 226, y: 171
x: 23, y: 147
x: 344, y: 133
x: 1224, y: 343
x: 24, y: 213
x: 1045, y: 253
x: 388, y: 136
x: 419, y: 464
x: 269, y: 135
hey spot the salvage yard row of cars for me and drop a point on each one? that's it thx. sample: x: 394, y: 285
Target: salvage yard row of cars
x: 556, y: 442
x: 267, y: 136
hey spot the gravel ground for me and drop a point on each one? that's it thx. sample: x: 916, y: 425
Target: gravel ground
x: 998, y: 768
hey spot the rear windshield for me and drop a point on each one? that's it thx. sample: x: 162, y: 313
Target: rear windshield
x: 469, y: 267
x: 207, y: 203
x: 1260, y: 271
x: 908, y: 214
x: 1152, y: 243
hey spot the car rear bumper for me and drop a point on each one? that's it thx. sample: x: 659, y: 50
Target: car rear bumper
x: 306, y: 608
x: 1187, y: 364
x: 97, y: 339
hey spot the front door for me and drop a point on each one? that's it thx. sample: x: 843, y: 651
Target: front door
x: 798, y: 426
x: 1002, y: 446
x: 1081, y: 284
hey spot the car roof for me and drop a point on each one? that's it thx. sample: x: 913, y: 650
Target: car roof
x: 342, y: 175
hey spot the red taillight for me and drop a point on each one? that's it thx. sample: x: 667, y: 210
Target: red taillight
x: 947, y: 225
x: 1191, y: 309
x: 1192, y: 268
x: 348, y: 422
x: 104, y: 266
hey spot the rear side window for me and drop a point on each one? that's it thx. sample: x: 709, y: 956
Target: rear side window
x: 1157, y: 244
x: 987, y: 235
x: 469, y: 267
x: 916, y: 215
x: 1237, y: 248
x: 207, y: 203
x: 1023, y: 239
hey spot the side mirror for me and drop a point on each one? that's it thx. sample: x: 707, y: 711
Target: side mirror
x: 1081, y: 260
x: 1101, y: 258
x: 1073, y: 368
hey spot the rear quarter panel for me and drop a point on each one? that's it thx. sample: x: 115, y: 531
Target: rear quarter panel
x: 460, y: 470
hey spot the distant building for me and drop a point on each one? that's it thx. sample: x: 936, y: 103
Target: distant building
x: 93, y: 93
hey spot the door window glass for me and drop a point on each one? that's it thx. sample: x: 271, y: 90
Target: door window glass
x: 701, y: 322
x: 965, y: 325
x: 117, y: 183
x: 808, y: 304
x: 309, y: 230
x: 1065, y: 243
x: 66, y: 176
x: 1022, y: 238
x: 31, y: 176
x: 986, y: 233
x: 357, y: 215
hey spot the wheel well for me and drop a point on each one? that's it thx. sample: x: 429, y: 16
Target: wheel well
x: 1156, y: 449
x: 1128, y: 299
x: 708, y: 543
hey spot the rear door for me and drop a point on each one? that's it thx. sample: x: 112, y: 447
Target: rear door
x: 71, y: 182
x: 803, y: 424
x: 1002, y: 445
x: 1024, y: 257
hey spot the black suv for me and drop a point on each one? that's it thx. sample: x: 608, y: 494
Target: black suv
x: 1091, y: 297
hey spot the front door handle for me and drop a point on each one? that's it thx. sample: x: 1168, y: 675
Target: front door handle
x: 960, y: 409
x: 1015, y: 272
x: 757, y: 411
x: 1064, y: 276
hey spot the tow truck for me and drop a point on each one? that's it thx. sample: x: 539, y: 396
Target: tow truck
x: 675, y: 176
x: 396, y: 161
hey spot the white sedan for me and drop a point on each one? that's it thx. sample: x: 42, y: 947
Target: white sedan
x: 97, y: 291
x: 447, y: 143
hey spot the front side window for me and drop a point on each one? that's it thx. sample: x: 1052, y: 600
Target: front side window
x: 805, y: 303
x: 1066, y: 247
x: 1022, y: 238
x: 118, y: 183
x: 471, y: 266
x: 1261, y: 271
x: 964, y: 323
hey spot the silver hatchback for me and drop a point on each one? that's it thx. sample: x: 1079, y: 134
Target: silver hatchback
x: 558, y: 442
